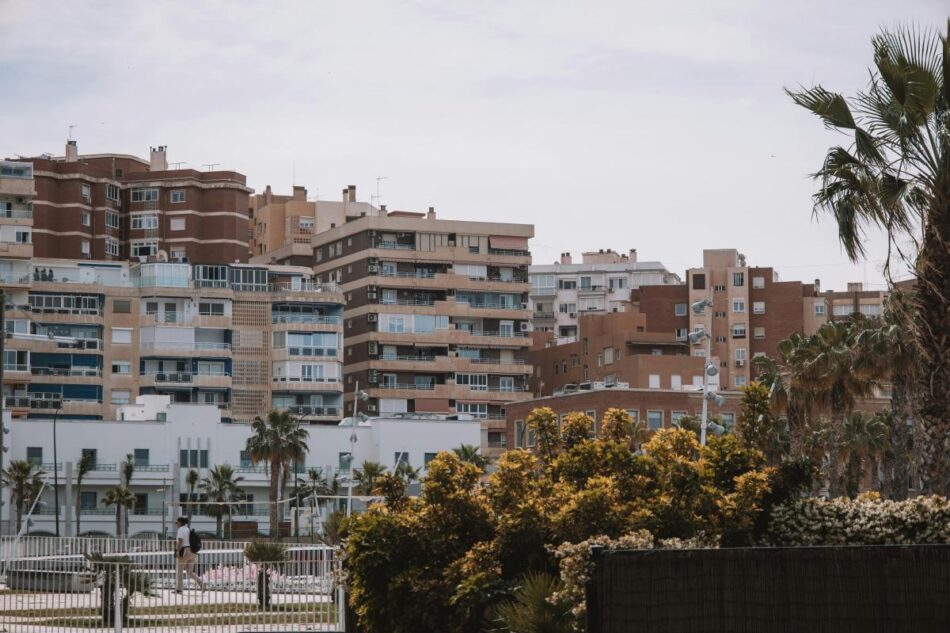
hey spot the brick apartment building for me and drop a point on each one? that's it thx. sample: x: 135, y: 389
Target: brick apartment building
x: 121, y: 207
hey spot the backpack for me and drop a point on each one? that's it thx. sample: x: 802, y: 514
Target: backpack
x: 194, y: 541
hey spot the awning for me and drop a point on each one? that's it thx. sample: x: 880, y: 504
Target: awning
x: 509, y: 243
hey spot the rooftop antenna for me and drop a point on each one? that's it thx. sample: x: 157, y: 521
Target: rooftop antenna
x: 71, y: 126
x: 377, y: 196
x: 178, y: 164
x: 210, y: 166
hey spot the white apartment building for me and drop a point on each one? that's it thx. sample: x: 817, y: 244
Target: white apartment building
x: 167, y: 440
x: 600, y: 283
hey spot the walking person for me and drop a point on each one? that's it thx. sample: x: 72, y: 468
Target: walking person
x: 185, y: 556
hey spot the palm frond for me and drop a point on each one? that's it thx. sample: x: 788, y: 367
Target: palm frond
x: 830, y: 106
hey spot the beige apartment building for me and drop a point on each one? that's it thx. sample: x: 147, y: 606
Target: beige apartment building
x: 86, y: 337
x: 282, y: 226
x: 436, y: 316
x: 600, y: 283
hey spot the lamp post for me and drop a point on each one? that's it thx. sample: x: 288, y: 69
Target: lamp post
x: 709, y: 369
x: 56, y: 467
x: 358, y: 396
x: 164, y: 491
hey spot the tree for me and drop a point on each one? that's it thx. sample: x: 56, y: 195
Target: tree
x: 315, y: 487
x: 191, y: 480
x: 222, y: 489
x: 25, y: 480
x: 128, y: 469
x: 122, y: 498
x: 83, y: 467
x: 278, y: 440
x: 865, y: 437
x: 469, y: 453
x: 366, y: 476
x: 268, y: 557
x: 895, y: 176
x: 109, y: 569
x: 757, y: 426
x: 531, y: 608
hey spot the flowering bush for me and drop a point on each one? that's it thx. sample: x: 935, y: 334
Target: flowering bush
x: 863, y: 521
x: 238, y: 578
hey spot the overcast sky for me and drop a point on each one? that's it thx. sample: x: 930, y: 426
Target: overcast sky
x: 660, y: 126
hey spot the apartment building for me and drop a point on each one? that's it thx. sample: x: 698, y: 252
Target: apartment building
x: 86, y: 337
x: 16, y: 212
x: 436, y: 316
x: 282, y: 226
x: 599, y: 284
x: 166, y: 440
x: 121, y: 207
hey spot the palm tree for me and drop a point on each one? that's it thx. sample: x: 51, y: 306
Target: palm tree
x: 128, y: 469
x: 83, y: 467
x: 367, y: 474
x: 533, y: 607
x: 191, y: 480
x: 865, y: 437
x: 316, y: 486
x: 469, y: 453
x: 407, y: 473
x: 222, y: 490
x: 25, y: 480
x: 895, y: 176
x: 120, y: 497
x: 822, y: 366
x: 278, y: 440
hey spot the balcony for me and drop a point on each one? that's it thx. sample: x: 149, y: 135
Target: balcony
x: 178, y: 377
x: 396, y: 246
x: 17, y: 213
x: 306, y: 319
x: 68, y: 372
x: 408, y: 302
x: 509, y: 252
x: 542, y: 316
x: 178, y: 347
x: 420, y: 274
x: 315, y: 411
x: 17, y: 402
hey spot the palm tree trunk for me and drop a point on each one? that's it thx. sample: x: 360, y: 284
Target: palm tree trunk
x: 932, y: 303
x: 118, y: 519
x: 217, y: 524
x: 898, y: 458
x: 77, y: 509
x: 274, y: 488
x: 19, y: 514
x: 834, y: 458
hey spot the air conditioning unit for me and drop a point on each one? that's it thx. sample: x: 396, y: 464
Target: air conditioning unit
x: 372, y: 377
x: 740, y: 363
x: 373, y: 348
x: 372, y: 317
x: 573, y: 315
x: 371, y: 408
x: 525, y: 326
x: 372, y: 269
x: 371, y: 233
x: 371, y: 296
x: 373, y: 261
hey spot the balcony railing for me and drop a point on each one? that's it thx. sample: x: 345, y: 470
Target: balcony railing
x: 170, y: 377
x: 512, y: 334
x: 408, y: 302
x: 542, y: 315
x: 47, y: 403
x: 417, y: 358
x: 187, y: 346
x: 16, y: 214
x: 62, y: 371
x: 419, y: 274
x: 311, y: 319
x: 14, y: 278
x: 396, y: 246
x: 7, y: 367
x: 407, y: 385
x: 313, y: 410
x: 508, y: 251
x: 490, y: 305
x: 306, y: 379
x: 497, y: 361
x: 17, y: 402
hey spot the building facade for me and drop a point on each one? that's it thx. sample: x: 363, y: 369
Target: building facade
x: 85, y: 337
x: 120, y: 207
x: 166, y: 440
x: 436, y: 314
x: 599, y: 284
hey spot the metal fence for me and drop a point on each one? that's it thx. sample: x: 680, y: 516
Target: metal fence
x: 74, y: 592
x: 31, y: 546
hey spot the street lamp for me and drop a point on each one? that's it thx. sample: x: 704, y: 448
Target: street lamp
x: 358, y: 396
x: 702, y: 307
x: 164, y: 491
x: 56, y: 467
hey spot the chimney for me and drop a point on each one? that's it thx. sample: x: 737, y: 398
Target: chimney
x: 382, y: 209
x: 346, y: 194
x: 158, y: 161
x: 300, y: 193
x: 72, y: 152
x: 818, y: 286
x: 855, y: 286
x: 566, y: 258
x: 431, y: 214
x: 633, y: 255
x: 352, y: 193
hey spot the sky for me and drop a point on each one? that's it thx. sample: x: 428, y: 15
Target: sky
x: 660, y: 126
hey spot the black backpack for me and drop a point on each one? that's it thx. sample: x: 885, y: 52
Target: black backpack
x: 194, y: 541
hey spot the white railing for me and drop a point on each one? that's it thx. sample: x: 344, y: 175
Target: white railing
x: 311, y: 319
x: 51, y: 546
x: 226, y: 593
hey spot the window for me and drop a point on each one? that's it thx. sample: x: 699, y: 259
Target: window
x: 210, y: 309
x: 675, y: 417
x: 634, y: 414
x: 112, y: 246
x: 758, y: 307
x: 676, y: 381
x: 679, y: 309
x: 86, y: 192
x: 654, y: 381
x: 401, y: 457
x: 585, y: 283
x: 740, y: 354
x: 145, y: 195
x: 519, y: 433
x: 34, y: 454
x: 617, y: 283
x: 88, y: 500
x: 476, y: 382
x: 478, y: 410
x: 144, y: 248
x: 758, y: 332
x: 178, y: 196
x: 112, y: 192
x: 84, y: 247
x: 819, y: 309
x: 123, y: 367
x: 567, y: 308
x: 112, y: 220
x: 699, y: 281
x: 719, y: 288
x: 738, y: 330
x: 871, y: 310
x: 740, y: 381
x: 842, y: 310
x: 141, y: 457
x: 177, y: 224
x: 608, y: 355
x: 720, y: 314
x: 121, y: 306
x: 654, y: 420
x: 542, y: 282
x: 397, y: 324
x: 22, y: 237
x: 738, y: 305
x: 738, y: 279
x: 681, y: 333
x: 428, y: 457
x: 121, y: 396
x: 122, y: 335
x: 567, y: 284
x: 728, y: 419
x: 86, y: 218
x: 144, y: 221
x: 758, y: 283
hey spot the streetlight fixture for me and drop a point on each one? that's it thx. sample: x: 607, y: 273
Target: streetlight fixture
x: 56, y: 467
x: 358, y: 396
x: 702, y: 307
